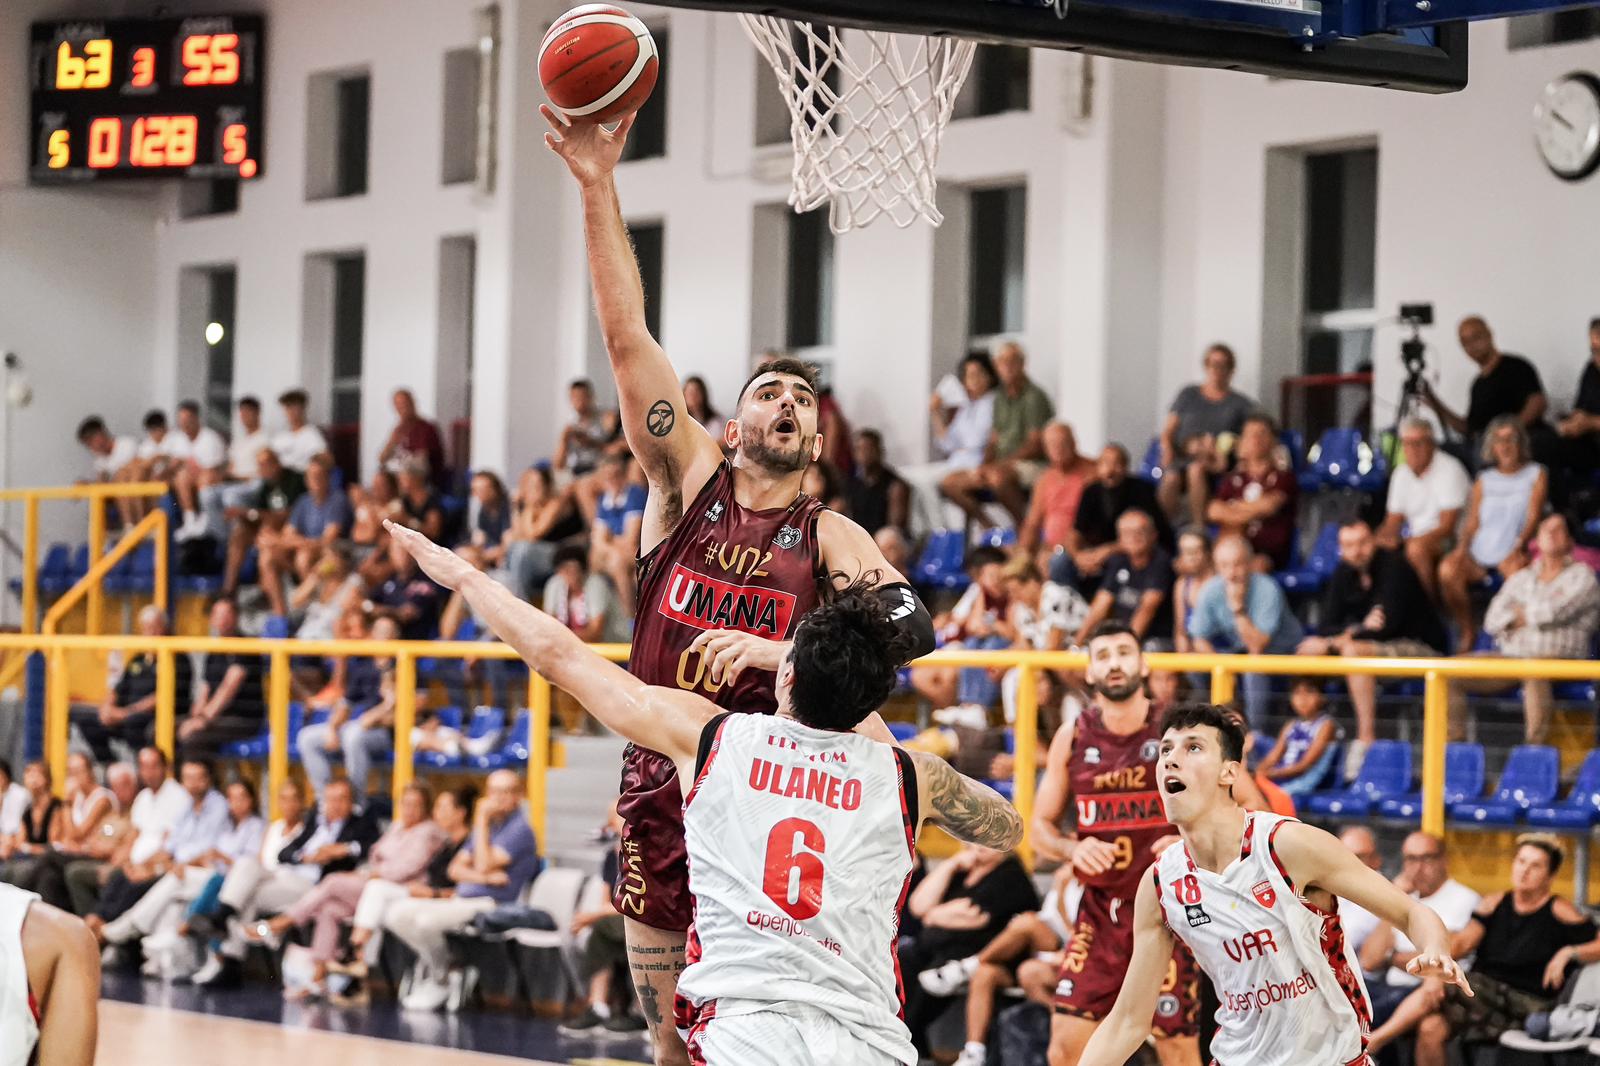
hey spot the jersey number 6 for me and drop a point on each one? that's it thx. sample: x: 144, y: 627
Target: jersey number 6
x: 793, y: 880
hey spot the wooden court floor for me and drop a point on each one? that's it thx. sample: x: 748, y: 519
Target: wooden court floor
x: 157, y: 1036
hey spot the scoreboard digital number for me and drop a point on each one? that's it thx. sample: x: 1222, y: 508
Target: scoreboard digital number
x: 146, y: 97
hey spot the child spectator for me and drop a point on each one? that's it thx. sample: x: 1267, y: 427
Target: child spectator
x: 1300, y: 759
x: 1193, y: 567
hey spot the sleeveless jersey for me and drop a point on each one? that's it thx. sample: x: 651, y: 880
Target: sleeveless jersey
x: 1113, y: 779
x: 19, y: 1030
x: 1289, y: 988
x: 800, y: 853
x: 725, y: 567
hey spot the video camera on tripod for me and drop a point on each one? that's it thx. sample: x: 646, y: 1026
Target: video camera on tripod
x: 1414, y: 350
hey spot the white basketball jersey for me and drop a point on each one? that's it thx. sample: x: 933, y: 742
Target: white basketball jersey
x: 19, y: 1031
x: 1289, y: 989
x: 800, y: 844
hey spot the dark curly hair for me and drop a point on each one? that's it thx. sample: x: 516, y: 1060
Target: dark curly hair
x: 1190, y: 715
x: 781, y: 364
x: 846, y: 655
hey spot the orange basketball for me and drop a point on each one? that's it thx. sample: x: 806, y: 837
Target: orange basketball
x: 598, y: 64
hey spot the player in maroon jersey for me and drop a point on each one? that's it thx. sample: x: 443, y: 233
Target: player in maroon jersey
x: 1105, y: 760
x: 732, y: 554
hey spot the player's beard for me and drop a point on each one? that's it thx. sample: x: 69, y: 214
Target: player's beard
x: 1118, y: 693
x: 754, y: 447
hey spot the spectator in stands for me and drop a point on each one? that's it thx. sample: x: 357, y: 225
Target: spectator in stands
x: 202, y: 914
x: 584, y: 601
x: 1425, y: 876
x: 265, y: 511
x: 834, y: 429
x: 489, y: 517
x: 963, y: 904
x: 160, y: 452
x: 400, y: 856
x: 319, y: 519
x: 583, y: 439
x: 1374, y: 605
x: 1047, y: 527
x: 1502, y: 513
x: 420, y: 506
x: 1548, y: 610
x: 1094, y: 531
x: 458, y: 674
x: 1193, y: 569
x: 1580, y: 430
x: 891, y: 540
x: 821, y: 481
x: 1136, y: 588
x: 23, y: 852
x: 361, y: 724
x: 90, y: 805
x: 128, y: 712
x: 697, y: 405
x: 875, y: 494
x: 1427, y: 493
x: 1304, y: 751
x: 369, y: 507
x: 91, y: 815
x: 978, y: 621
x: 1257, y: 498
x: 228, y: 702
x: 494, y: 867
x: 111, y: 458
x: 962, y: 419
x: 408, y: 596
x: 414, y: 439
x: 14, y: 800
x: 1015, y: 455
x: 1522, y: 942
x: 1507, y: 386
x: 324, y: 596
x: 542, y: 519
x: 248, y: 442
x: 614, y: 538
x: 602, y: 959
x: 1243, y: 611
x: 1198, y: 434
x: 1044, y: 616
x: 299, y: 443
x: 1358, y: 922
x: 158, y: 806
x: 205, y: 462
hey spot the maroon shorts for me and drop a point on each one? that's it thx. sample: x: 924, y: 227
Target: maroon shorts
x: 1095, y: 964
x: 654, y: 885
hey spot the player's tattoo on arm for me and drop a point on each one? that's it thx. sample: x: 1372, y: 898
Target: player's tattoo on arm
x: 661, y: 417
x: 971, y: 811
x: 650, y: 966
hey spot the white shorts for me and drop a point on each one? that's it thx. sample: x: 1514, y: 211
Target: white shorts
x: 790, y: 1035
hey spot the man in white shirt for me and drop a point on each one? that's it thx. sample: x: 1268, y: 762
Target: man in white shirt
x: 301, y: 442
x: 1425, y: 875
x: 155, y: 811
x: 1427, y: 494
x: 1359, y: 923
x: 111, y: 458
x: 248, y: 442
x: 205, y: 457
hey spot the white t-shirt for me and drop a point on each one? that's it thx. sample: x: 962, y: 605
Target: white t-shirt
x: 1359, y: 923
x: 168, y: 446
x: 242, y: 454
x: 297, y: 447
x: 124, y: 450
x: 154, y: 814
x: 1444, y: 486
x: 206, y: 450
x: 1454, y: 904
x: 13, y: 805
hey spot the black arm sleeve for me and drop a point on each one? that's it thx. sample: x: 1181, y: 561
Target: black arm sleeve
x: 910, y: 617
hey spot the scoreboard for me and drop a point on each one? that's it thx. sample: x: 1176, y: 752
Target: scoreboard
x: 168, y: 97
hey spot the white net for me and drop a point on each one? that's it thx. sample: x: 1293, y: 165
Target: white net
x: 866, y: 120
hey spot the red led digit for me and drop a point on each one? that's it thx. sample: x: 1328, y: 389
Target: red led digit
x: 211, y: 59
x: 144, y: 68
x: 105, y: 143
x: 235, y: 144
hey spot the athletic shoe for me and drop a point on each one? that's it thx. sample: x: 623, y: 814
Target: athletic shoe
x: 625, y: 1023
x: 210, y: 973
x: 947, y: 980
x: 1355, y: 752
x: 427, y: 993
x: 972, y: 1055
x: 586, y: 1024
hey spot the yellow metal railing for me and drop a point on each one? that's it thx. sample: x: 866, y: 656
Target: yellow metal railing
x: 1222, y: 669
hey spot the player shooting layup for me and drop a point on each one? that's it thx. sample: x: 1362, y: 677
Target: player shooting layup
x: 49, y: 984
x: 1106, y: 761
x: 1255, y: 898
x: 733, y: 555
x: 801, y: 833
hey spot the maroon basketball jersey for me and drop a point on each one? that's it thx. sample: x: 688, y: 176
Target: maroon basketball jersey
x: 1114, y: 783
x: 725, y: 567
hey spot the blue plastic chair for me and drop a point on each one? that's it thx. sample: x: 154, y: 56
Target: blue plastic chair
x: 1463, y: 781
x: 1311, y: 575
x: 1530, y: 779
x: 276, y: 627
x: 941, y: 564
x: 998, y: 537
x: 1150, y: 466
x: 256, y: 748
x: 513, y: 752
x: 1385, y: 772
x: 1343, y: 459
x: 903, y: 731
x: 1581, y: 808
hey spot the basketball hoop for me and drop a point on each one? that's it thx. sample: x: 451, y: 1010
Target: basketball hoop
x: 866, y: 124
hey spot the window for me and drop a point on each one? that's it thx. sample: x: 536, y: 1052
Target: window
x: 648, y: 139
x: 349, y: 311
x: 995, y: 256
x: 215, y: 196
x: 457, y: 296
x: 337, y: 133
x: 1341, y: 225
x: 649, y: 241
x: 809, y: 313
x: 1552, y: 27
x: 462, y: 72
x: 222, y: 286
x: 998, y: 82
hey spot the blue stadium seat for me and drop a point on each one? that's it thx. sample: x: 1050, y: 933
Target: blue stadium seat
x: 513, y: 752
x: 276, y: 627
x: 1463, y: 781
x: 255, y: 749
x: 1581, y: 808
x: 1343, y: 459
x: 1530, y: 779
x: 1315, y: 571
x: 1260, y: 747
x: 998, y: 537
x: 1386, y: 771
x: 903, y: 731
x: 942, y: 562
x: 1150, y: 466
x: 57, y: 581
x: 1006, y: 788
x: 54, y: 571
x: 486, y: 721
x: 1294, y: 442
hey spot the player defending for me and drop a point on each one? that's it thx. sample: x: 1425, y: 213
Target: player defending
x: 1106, y: 760
x: 800, y: 833
x: 732, y: 556
x: 49, y: 984
x: 1255, y: 898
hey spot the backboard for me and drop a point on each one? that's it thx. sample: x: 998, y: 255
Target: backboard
x: 1376, y: 42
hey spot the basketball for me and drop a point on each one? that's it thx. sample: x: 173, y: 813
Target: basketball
x: 598, y: 64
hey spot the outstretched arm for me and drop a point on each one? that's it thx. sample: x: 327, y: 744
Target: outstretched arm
x: 63, y: 966
x: 672, y: 448
x: 663, y: 720
x: 1128, y: 1024
x: 967, y: 810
